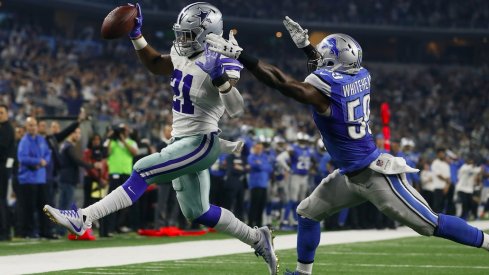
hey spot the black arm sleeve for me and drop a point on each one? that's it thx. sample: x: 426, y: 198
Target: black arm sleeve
x: 75, y: 158
x: 66, y: 131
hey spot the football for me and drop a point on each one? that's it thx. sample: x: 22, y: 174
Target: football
x: 118, y: 22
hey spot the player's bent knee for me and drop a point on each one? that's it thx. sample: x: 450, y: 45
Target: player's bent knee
x: 308, y: 210
x: 191, y: 214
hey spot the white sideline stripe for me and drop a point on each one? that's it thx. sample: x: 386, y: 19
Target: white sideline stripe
x: 115, y: 256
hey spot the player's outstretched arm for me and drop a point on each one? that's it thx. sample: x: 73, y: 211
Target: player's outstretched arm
x: 154, y: 61
x: 269, y: 74
x: 300, y: 38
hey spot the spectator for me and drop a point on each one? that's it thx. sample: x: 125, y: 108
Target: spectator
x: 234, y: 184
x: 53, y: 139
x: 7, y: 146
x: 33, y: 155
x: 441, y: 179
x: 96, y: 184
x: 217, y: 172
x: 69, y: 175
x: 259, y: 178
x: 167, y: 212
x: 121, y: 151
x: 427, y: 185
x: 468, y: 178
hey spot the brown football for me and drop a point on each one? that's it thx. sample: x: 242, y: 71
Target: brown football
x: 119, y: 22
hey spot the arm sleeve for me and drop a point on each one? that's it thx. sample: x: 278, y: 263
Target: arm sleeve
x: 232, y: 67
x: 233, y: 102
x: 66, y: 131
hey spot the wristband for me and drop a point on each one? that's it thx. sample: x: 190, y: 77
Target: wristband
x: 139, y: 43
x: 218, y: 82
x: 248, y: 61
x: 224, y: 87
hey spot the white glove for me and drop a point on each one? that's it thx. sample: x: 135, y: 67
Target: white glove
x: 225, y: 47
x: 298, y: 34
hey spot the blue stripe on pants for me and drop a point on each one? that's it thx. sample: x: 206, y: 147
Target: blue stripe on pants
x: 417, y: 206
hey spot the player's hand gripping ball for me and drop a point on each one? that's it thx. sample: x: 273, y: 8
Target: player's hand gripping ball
x: 119, y: 22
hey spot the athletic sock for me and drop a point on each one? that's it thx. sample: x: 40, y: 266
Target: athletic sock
x: 122, y: 197
x: 485, y: 242
x: 458, y: 230
x: 224, y: 221
x: 304, y: 268
x: 308, y: 237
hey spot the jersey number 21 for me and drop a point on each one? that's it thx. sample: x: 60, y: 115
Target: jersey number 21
x: 181, y: 100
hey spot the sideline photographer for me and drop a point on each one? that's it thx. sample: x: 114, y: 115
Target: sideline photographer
x: 121, y: 151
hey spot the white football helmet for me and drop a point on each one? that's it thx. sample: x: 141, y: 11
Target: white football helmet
x: 194, y: 22
x: 338, y: 52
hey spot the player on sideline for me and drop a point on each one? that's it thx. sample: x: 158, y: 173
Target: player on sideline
x: 338, y: 94
x: 203, y: 85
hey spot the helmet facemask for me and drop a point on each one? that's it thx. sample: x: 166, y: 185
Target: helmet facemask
x: 186, y: 42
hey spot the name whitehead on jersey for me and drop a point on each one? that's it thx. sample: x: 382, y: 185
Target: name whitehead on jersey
x: 357, y: 86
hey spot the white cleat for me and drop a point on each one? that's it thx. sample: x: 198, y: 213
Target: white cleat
x: 75, y: 220
x: 264, y: 248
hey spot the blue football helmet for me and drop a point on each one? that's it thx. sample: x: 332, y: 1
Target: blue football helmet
x: 339, y: 53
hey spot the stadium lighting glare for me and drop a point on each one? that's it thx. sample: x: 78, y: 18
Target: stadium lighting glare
x: 278, y: 34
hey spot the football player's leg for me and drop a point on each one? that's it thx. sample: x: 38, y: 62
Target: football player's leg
x: 193, y: 196
x: 187, y: 154
x: 396, y: 198
x: 331, y: 195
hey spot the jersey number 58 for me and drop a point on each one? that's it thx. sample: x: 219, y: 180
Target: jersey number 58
x: 358, y: 131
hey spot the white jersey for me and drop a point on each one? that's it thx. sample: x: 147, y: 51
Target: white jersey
x: 197, y: 106
x: 467, y: 178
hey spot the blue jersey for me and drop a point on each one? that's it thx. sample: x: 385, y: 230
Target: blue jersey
x: 344, y: 129
x: 300, y: 160
x: 217, y: 169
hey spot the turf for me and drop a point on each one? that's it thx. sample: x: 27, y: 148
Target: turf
x: 418, y: 255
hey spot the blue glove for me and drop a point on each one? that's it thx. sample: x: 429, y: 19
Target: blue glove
x: 213, y: 65
x: 138, y: 23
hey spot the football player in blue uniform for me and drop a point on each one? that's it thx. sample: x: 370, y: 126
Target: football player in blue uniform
x: 338, y: 92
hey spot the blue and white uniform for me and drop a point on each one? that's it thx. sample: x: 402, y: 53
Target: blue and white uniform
x: 364, y: 173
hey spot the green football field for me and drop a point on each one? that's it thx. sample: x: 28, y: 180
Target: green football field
x: 417, y: 255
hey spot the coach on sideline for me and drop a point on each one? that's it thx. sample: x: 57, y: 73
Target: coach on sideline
x: 7, y: 147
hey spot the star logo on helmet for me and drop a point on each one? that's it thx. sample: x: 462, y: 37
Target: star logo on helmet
x: 202, y: 15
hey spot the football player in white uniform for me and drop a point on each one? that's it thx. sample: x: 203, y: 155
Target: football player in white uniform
x: 203, y: 83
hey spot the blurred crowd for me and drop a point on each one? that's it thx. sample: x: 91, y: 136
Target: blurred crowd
x: 420, y: 13
x: 46, y: 78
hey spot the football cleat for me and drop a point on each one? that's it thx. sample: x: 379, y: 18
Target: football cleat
x: 264, y: 248
x: 75, y: 220
x: 288, y: 272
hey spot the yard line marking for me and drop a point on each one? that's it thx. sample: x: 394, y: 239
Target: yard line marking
x: 405, y: 265
x: 116, y: 256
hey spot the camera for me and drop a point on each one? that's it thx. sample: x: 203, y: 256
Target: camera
x: 117, y: 131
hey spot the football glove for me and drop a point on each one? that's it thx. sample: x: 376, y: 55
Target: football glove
x: 298, y: 34
x: 229, y: 48
x: 213, y: 65
x: 138, y: 23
